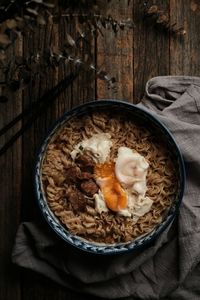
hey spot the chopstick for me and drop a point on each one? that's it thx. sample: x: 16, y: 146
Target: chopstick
x: 37, y: 108
x: 41, y: 105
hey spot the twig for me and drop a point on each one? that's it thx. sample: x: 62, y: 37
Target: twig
x: 161, y: 18
x: 98, y: 17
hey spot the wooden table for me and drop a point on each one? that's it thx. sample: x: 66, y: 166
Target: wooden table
x: 132, y: 58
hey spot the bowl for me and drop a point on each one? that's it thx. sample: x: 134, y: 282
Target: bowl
x: 141, y: 241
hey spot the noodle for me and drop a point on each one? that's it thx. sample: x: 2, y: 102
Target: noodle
x: 108, y: 227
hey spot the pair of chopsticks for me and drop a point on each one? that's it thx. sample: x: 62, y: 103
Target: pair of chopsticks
x: 35, y: 110
x: 39, y: 107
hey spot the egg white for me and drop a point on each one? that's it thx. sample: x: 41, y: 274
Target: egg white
x: 130, y: 170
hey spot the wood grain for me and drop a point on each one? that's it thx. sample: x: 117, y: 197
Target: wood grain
x: 10, y: 187
x: 132, y: 56
x: 84, y: 89
x: 115, y: 54
x: 151, y: 47
x: 81, y: 90
x: 184, y: 51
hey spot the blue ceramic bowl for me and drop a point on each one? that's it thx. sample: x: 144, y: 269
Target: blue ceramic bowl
x: 139, y: 242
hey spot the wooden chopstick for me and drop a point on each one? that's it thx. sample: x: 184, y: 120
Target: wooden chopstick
x: 38, y: 108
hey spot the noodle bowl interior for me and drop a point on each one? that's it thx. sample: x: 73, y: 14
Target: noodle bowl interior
x: 108, y: 177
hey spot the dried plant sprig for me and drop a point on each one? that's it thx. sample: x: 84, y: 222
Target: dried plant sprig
x: 56, y: 57
x: 38, y: 12
x: 32, y: 13
x: 161, y: 18
x: 98, y: 20
x: 19, y: 71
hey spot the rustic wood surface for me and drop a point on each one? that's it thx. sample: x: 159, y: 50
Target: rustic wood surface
x: 132, y: 57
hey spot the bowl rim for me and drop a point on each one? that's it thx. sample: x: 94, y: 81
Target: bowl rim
x: 79, y: 243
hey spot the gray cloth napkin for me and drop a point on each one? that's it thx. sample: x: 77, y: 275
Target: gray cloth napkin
x: 170, y: 267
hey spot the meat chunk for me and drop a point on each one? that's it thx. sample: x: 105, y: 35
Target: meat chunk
x: 86, y: 175
x: 72, y: 173
x: 80, y: 177
x: 85, y: 160
x: 75, y: 174
x: 89, y: 187
x: 77, y: 199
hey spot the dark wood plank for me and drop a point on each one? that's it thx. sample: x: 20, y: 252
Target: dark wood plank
x: 84, y: 88
x: 132, y: 58
x: 35, y: 287
x: 151, y: 47
x: 184, y: 51
x: 32, y: 288
x: 115, y: 53
x: 10, y: 187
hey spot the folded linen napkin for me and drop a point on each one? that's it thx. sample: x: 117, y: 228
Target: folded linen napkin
x: 170, y: 267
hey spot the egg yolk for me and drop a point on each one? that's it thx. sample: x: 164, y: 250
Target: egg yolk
x: 114, y: 195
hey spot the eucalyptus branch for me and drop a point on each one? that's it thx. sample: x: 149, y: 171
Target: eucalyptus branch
x: 161, y: 19
x: 62, y: 57
x: 20, y: 71
x: 105, y: 21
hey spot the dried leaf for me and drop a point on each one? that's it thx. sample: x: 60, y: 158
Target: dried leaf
x: 86, y: 57
x: 20, y: 23
x: 17, y: 18
x: 4, y: 39
x: 41, y: 20
x: 114, y: 27
x: 92, y: 67
x: 70, y: 40
x: 49, y: 5
x: 113, y: 80
x: 70, y: 58
x: 103, y: 22
x: 163, y: 19
x: 80, y: 31
x: 152, y: 10
x: 102, y: 74
x: 28, y: 17
x: 107, y: 77
x: 11, y: 23
x: 66, y: 61
x: 50, y: 19
x: 129, y: 23
x: 37, y: 1
x: 180, y: 31
x: 55, y: 50
x: 2, y: 55
x: 32, y: 11
x: 78, y: 61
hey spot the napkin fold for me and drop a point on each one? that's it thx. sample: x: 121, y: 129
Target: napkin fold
x: 169, y: 268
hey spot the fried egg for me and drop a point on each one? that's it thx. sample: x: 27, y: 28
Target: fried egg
x: 122, y: 183
x: 99, y: 145
x: 131, y: 170
x: 114, y: 195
